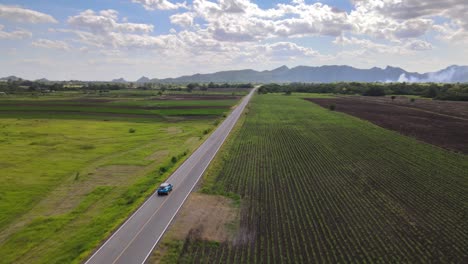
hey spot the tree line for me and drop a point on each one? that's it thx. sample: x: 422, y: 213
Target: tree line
x: 19, y: 86
x: 448, y: 91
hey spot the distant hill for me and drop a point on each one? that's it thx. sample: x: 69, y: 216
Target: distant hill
x: 120, y: 80
x: 42, y: 80
x: 332, y: 73
x: 143, y: 80
x: 10, y: 78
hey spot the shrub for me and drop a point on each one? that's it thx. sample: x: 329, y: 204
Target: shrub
x: 332, y: 107
x: 174, y: 159
x: 162, y: 170
x: 131, y: 130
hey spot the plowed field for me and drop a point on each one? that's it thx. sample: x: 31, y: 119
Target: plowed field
x: 444, y: 124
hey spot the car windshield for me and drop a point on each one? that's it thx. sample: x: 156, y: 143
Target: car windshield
x: 164, y: 186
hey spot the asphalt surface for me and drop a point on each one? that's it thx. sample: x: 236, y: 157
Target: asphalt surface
x: 134, y: 241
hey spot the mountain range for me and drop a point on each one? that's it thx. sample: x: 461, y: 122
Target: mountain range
x: 332, y: 73
x: 321, y: 74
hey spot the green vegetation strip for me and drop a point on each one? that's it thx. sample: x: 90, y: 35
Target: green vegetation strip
x: 66, y: 184
x: 318, y: 186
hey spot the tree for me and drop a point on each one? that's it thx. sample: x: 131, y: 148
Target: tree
x: 192, y: 86
x: 374, y: 91
x: 432, y: 92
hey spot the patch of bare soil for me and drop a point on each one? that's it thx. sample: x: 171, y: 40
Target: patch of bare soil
x: 440, y: 129
x: 211, y: 217
x: 209, y: 213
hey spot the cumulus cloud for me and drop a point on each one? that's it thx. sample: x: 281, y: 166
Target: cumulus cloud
x: 184, y: 19
x: 104, y: 30
x: 160, y: 4
x: 23, y: 15
x: 409, y: 18
x: 242, y: 20
x: 51, y: 44
x: 18, y: 34
x: 106, y: 21
x: 452, y: 32
x: 409, y: 9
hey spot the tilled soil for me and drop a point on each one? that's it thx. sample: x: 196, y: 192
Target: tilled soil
x: 452, y: 108
x: 432, y: 125
x: 196, y: 97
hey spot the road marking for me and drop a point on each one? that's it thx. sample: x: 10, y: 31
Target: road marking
x: 143, y: 227
x: 110, y: 238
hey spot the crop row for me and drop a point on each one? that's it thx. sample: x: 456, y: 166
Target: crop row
x: 319, y: 186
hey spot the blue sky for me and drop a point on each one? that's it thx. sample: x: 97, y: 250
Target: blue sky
x: 104, y: 39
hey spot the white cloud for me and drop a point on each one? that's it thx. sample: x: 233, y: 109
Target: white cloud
x: 242, y: 20
x: 103, y: 30
x: 18, y: 34
x: 452, y: 33
x: 51, y: 44
x: 160, y: 4
x: 408, y: 18
x: 23, y: 15
x: 184, y: 19
x: 106, y: 21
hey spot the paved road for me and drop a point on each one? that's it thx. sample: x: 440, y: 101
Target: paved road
x: 134, y: 241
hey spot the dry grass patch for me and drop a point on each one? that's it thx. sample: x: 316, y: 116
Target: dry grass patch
x: 174, y: 130
x: 158, y: 155
x: 68, y: 195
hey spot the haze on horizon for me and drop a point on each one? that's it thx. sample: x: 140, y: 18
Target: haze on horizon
x: 103, y: 39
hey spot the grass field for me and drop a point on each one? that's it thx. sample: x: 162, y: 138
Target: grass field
x: 69, y: 178
x: 319, y: 186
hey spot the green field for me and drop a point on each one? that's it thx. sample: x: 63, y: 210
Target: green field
x: 318, y: 186
x: 69, y: 178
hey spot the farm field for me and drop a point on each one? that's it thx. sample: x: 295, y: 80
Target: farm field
x: 144, y: 107
x: 320, y: 186
x: 74, y: 167
x: 444, y: 124
x: 451, y: 108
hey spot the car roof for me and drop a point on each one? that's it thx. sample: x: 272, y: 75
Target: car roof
x: 164, y: 184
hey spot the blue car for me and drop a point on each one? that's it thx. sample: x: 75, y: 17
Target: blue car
x: 164, y: 188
